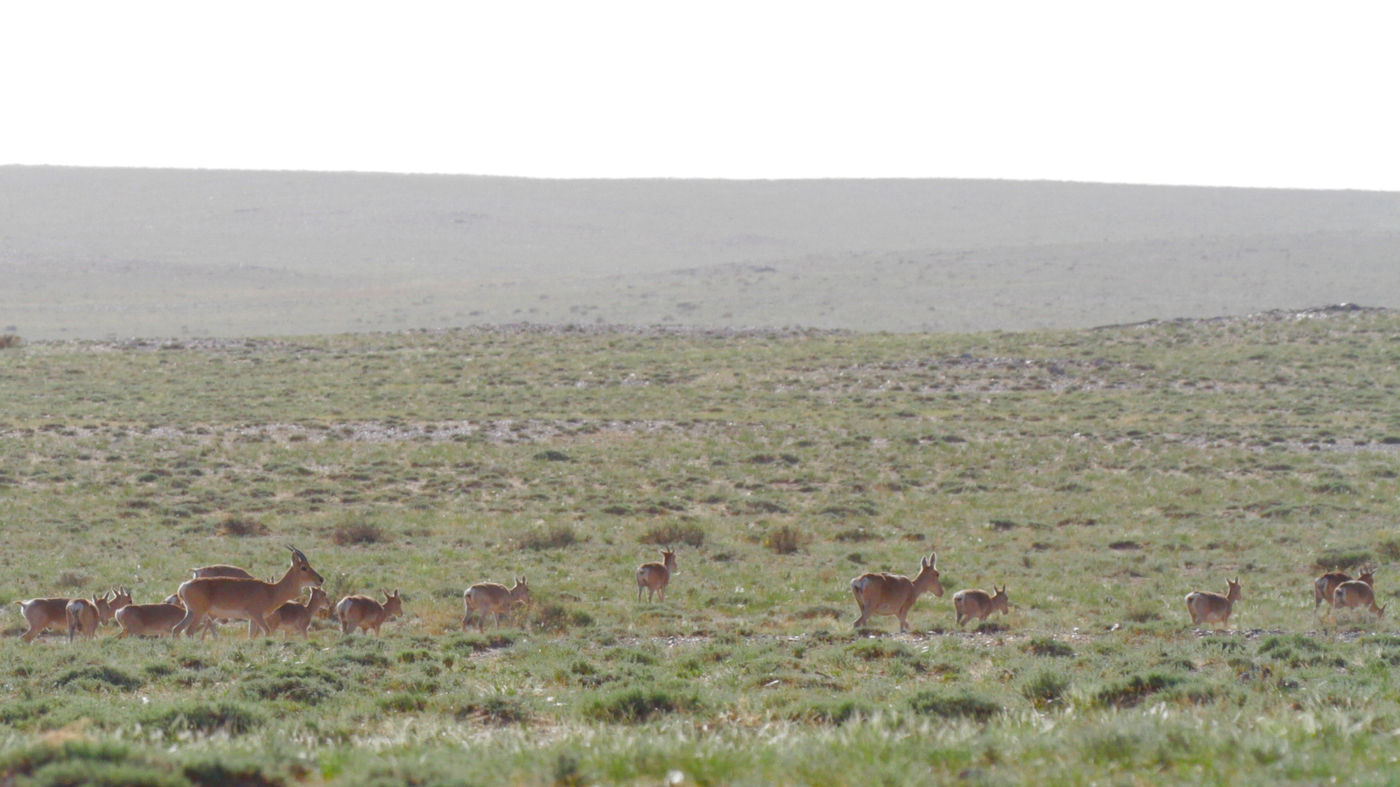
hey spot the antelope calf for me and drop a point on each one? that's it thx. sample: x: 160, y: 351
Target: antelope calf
x: 294, y: 617
x: 491, y: 598
x: 1206, y: 607
x: 979, y: 603
x: 654, y: 577
x: 1357, y: 594
x: 895, y: 594
x: 149, y: 620
x: 363, y: 612
x: 84, y: 616
x: 242, y: 598
x: 1325, y: 586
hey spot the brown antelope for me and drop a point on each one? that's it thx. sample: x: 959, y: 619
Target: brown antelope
x: 1325, y: 586
x: 895, y: 594
x: 654, y: 577
x: 294, y: 617
x: 149, y: 620
x: 979, y: 603
x: 42, y: 614
x: 363, y: 612
x: 491, y: 598
x: 241, y: 598
x: 221, y: 571
x: 84, y: 616
x: 1206, y: 607
x: 1357, y: 594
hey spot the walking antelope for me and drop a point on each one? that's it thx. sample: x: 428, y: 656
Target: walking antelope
x: 294, y: 617
x: 1325, y: 586
x: 654, y: 577
x: 43, y: 613
x: 84, y: 616
x: 1206, y: 607
x: 241, y: 598
x: 1357, y: 594
x: 492, y: 598
x: 895, y: 594
x: 979, y: 603
x: 363, y: 612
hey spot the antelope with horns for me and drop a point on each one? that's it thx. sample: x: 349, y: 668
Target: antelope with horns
x: 895, y: 594
x: 363, y: 612
x: 240, y: 598
x: 1325, y: 586
x: 294, y: 617
x: 149, y: 620
x: 84, y: 616
x: 1206, y: 607
x: 979, y: 603
x: 492, y: 598
x: 654, y: 577
x: 1357, y: 594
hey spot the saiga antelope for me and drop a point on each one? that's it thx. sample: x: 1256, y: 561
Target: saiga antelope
x: 1325, y: 586
x: 241, y: 598
x: 363, y: 612
x: 895, y: 594
x: 1357, y: 594
x: 294, y: 617
x: 492, y: 598
x: 654, y: 577
x: 84, y: 616
x: 979, y: 603
x: 1206, y: 607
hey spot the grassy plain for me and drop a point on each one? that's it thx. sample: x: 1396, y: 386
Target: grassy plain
x: 1101, y: 475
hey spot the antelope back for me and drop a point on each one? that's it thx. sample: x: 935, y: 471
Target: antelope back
x: 221, y: 571
x: 149, y: 618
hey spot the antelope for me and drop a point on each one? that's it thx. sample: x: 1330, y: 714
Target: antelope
x: 979, y: 603
x: 1356, y: 593
x: 221, y: 571
x: 895, y: 594
x: 243, y: 598
x: 1325, y: 586
x: 653, y: 577
x: 41, y: 614
x: 296, y: 617
x: 149, y: 620
x: 493, y: 598
x: 1208, y: 607
x: 363, y: 612
x: 84, y: 616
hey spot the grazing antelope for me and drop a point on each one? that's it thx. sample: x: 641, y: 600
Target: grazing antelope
x: 240, y: 598
x: 895, y: 594
x: 1206, y: 607
x: 979, y: 603
x: 221, y: 571
x: 1357, y: 594
x: 1325, y: 586
x: 84, y: 616
x: 294, y: 617
x: 363, y: 612
x: 654, y: 577
x: 491, y: 598
x: 149, y: 620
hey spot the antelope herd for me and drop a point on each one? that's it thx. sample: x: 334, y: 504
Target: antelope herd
x: 224, y: 593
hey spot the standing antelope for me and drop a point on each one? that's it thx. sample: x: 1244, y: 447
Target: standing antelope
x: 491, y: 598
x: 1325, y: 586
x: 43, y: 613
x: 1206, y: 607
x: 895, y: 594
x: 1357, y: 594
x: 294, y: 617
x: 84, y: 616
x: 363, y: 612
x: 221, y: 571
x: 149, y: 620
x: 979, y: 604
x: 654, y: 577
x: 242, y: 598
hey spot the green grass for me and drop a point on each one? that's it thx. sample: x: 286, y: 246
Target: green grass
x: 1101, y: 475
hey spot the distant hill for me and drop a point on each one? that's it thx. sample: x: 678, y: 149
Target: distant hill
x: 93, y: 253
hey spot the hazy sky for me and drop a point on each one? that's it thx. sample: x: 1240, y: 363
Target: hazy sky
x: 1215, y: 93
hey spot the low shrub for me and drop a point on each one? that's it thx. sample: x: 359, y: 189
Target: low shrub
x: 1044, y: 687
x: 1134, y: 689
x: 784, y: 539
x: 630, y: 706
x: 356, y: 531
x: 205, y: 717
x: 674, y: 533
x: 556, y: 537
x: 1048, y: 646
x: 960, y: 703
x: 240, y: 527
x: 93, y: 677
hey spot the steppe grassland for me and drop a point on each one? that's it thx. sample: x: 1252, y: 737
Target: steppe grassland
x: 1101, y: 475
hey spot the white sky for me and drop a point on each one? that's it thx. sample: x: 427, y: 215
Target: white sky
x: 1215, y: 93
